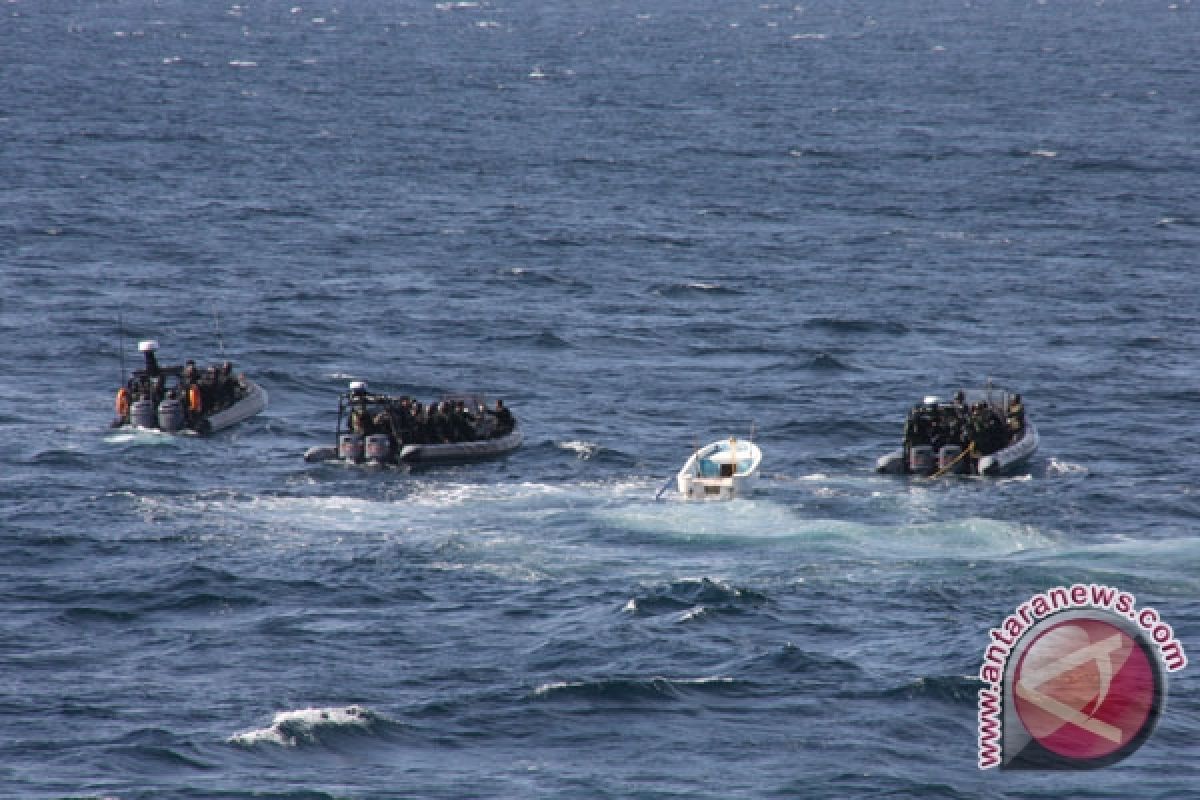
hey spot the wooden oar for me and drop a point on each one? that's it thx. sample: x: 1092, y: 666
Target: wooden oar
x: 665, y: 486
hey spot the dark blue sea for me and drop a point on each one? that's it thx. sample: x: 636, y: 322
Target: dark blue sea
x: 643, y: 225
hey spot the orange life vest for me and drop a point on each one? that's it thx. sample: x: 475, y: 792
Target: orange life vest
x: 122, y: 403
x: 195, y: 404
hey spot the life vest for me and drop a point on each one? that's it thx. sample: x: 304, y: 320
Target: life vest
x: 195, y: 403
x: 122, y: 403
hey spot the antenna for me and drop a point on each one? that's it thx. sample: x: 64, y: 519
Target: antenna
x: 220, y: 339
x: 121, y: 346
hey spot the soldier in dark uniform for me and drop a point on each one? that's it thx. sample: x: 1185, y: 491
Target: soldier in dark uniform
x: 361, y: 421
x: 505, y: 422
x: 1016, y: 417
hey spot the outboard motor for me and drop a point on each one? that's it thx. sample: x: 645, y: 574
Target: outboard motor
x: 948, y: 455
x: 378, y: 447
x: 142, y: 413
x: 920, y: 459
x: 170, y: 414
x: 350, y: 447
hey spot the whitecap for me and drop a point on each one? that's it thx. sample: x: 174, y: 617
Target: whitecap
x: 292, y: 728
x: 1065, y: 467
x: 585, y: 450
x: 1044, y: 153
x: 243, y: 63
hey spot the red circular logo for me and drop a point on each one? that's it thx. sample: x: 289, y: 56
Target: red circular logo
x: 1085, y: 689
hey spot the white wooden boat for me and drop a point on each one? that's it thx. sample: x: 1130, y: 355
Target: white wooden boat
x: 722, y: 470
x: 980, y: 432
x: 184, y: 399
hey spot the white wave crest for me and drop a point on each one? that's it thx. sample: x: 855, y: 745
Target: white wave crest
x: 585, y: 450
x: 1065, y: 467
x: 292, y: 728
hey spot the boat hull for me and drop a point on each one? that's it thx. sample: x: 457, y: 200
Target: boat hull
x: 722, y: 470
x: 1013, y: 457
x: 1003, y: 462
x: 456, y: 453
x: 253, y: 402
x: 460, y: 452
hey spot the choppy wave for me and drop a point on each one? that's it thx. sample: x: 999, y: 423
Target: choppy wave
x: 633, y: 691
x: 825, y: 362
x: 956, y: 689
x: 693, y: 596
x: 1065, y: 467
x: 650, y: 240
x: 541, y: 278
x: 314, y: 726
x: 850, y: 325
x: 692, y: 288
x: 547, y: 340
x: 585, y: 451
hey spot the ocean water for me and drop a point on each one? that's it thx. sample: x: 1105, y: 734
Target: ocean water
x: 644, y: 225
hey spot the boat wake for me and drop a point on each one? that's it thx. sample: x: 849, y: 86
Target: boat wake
x: 760, y: 520
x: 149, y: 438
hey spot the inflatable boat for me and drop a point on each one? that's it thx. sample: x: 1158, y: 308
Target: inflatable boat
x: 382, y: 429
x: 979, y: 432
x: 185, y: 399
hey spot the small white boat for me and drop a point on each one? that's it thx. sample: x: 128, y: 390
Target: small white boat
x: 722, y: 470
x: 185, y: 399
x: 981, y: 432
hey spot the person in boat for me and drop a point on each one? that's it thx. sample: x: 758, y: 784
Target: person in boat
x: 988, y: 432
x: 1016, y: 417
x: 918, y: 427
x: 435, y: 424
x: 505, y: 421
x: 152, y: 368
x: 228, y: 384
x: 361, y: 421
x: 207, y: 381
x: 385, y: 423
x: 417, y: 423
x: 464, y: 425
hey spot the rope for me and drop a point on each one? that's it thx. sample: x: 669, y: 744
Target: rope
x: 970, y: 448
